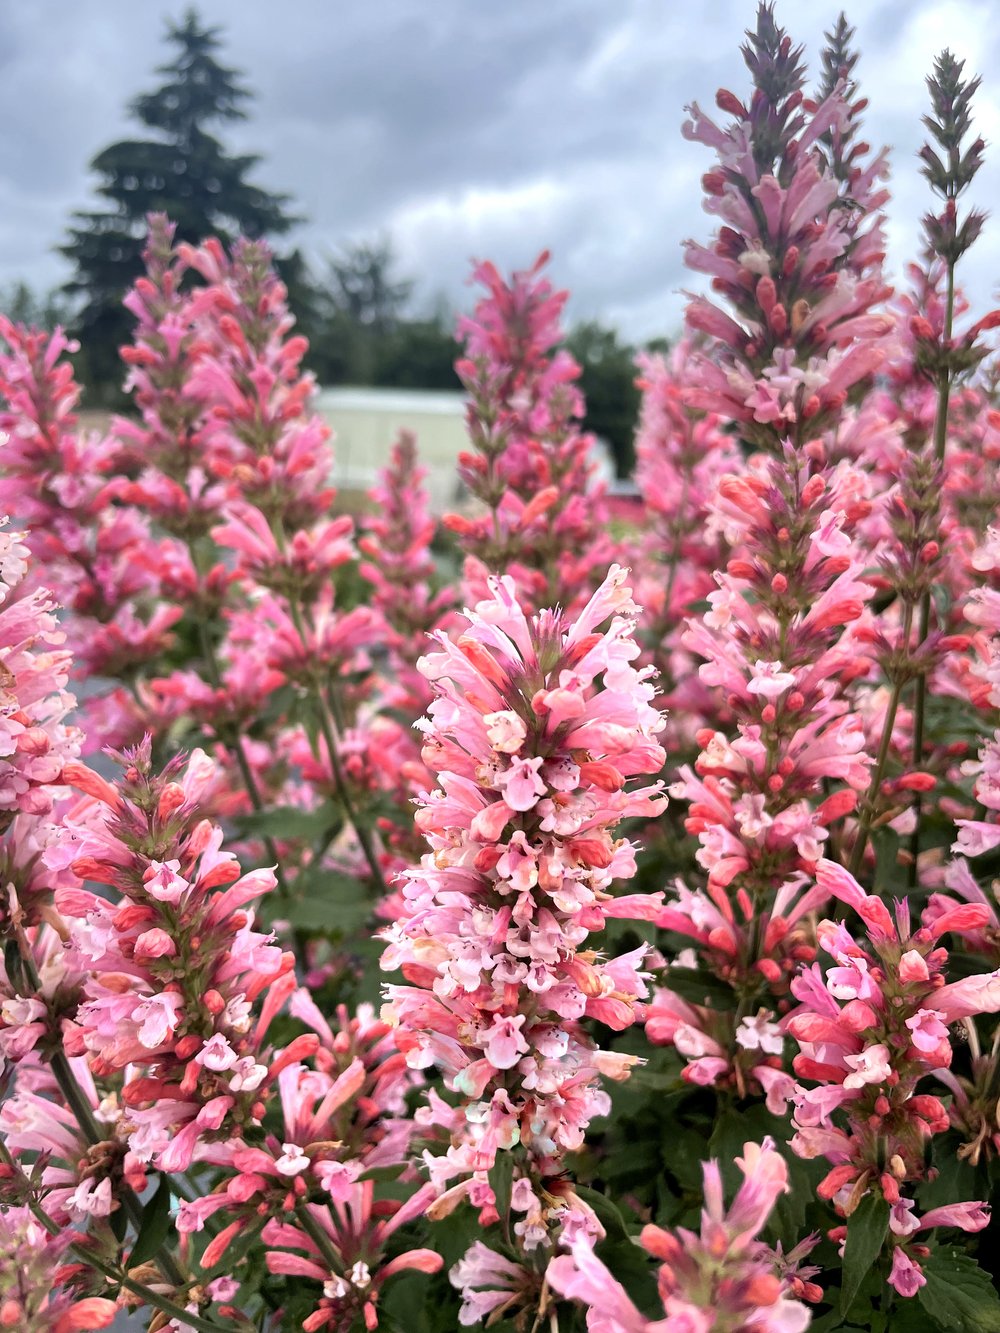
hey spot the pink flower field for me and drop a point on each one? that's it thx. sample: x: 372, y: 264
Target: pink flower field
x: 555, y: 915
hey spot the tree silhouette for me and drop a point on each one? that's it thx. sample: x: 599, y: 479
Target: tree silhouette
x: 180, y: 169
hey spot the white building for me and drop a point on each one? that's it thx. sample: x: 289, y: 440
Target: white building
x: 366, y: 422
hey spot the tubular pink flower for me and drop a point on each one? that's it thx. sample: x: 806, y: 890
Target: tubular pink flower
x: 186, y: 1039
x: 722, y: 1278
x: 521, y: 863
x: 546, y: 519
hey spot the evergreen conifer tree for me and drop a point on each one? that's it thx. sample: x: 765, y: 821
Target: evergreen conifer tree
x: 180, y: 168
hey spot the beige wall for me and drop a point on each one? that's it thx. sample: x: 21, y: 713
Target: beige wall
x: 367, y: 422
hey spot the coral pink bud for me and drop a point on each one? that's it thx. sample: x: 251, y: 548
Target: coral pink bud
x: 86, y: 867
x: 459, y: 524
x: 713, y: 182
x: 836, y: 806
x: 912, y: 967
x: 920, y: 328
x: 730, y: 103
x: 90, y: 1313
x: 856, y: 1016
x: 660, y: 1244
x: 482, y: 660
x: 218, y: 1245
x: 766, y: 294
x: 834, y: 1181
x: 779, y: 584
x: 603, y: 775
x: 171, y: 799
x: 740, y: 569
x: 763, y: 1289
x: 890, y: 1187
x: 135, y: 914
x: 592, y: 853
x: 538, y: 505
x: 966, y: 916
x: 916, y: 782
x: 214, y: 1002
x: 226, y: 872
x: 154, y: 944
x: 187, y: 1046
x: 491, y: 821
x: 84, y: 779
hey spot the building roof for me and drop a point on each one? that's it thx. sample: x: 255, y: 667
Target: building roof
x: 425, y: 402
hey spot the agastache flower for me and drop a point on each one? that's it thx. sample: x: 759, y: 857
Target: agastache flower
x: 351, y: 1263
x: 144, y: 1010
x: 797, y: 257
x: 35, y: 739
x: 719, y: 1281
x: 493, y: 943
x: 545, y: 523
x: 766, y: 793
x: 33, y: 1298
x: 868, y: 1034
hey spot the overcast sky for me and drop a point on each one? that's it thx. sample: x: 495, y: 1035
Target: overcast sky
x: 466, y: 128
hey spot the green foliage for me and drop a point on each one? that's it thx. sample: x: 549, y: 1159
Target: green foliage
x: 607, y: 379
x: 867, y: 1228
x: 958, y: 1294
x: 180, y: 169
x: 38, y: 310
x: 156, y: 1225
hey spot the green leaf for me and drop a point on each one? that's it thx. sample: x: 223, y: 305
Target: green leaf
x: 502, y: 1182
x: 958, y: 1294
x: 288, y: 821
x: 155, y: 1225
x: 867, y: 1228
x: 326, y: 915
x: 324, y: 901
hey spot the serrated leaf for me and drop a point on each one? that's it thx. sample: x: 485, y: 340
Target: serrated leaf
x: 867, y: 1228
x: 155, y: 1225
x: 326, y: 900
x: 958, y: 1294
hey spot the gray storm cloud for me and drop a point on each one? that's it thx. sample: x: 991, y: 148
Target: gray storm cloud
x: 464, y: 129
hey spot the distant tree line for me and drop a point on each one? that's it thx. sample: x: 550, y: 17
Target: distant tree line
x: 357, y: 313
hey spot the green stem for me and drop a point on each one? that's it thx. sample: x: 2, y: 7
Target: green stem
x: 319, y: 1237
x: 868, y: 813
x: 120, y: 1279
x: 83, y: 1111
x: 246, y: 772
x: 328, y: 730
x: 920, y: 701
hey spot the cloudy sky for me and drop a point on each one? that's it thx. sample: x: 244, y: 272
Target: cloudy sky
x: 464, y: 128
